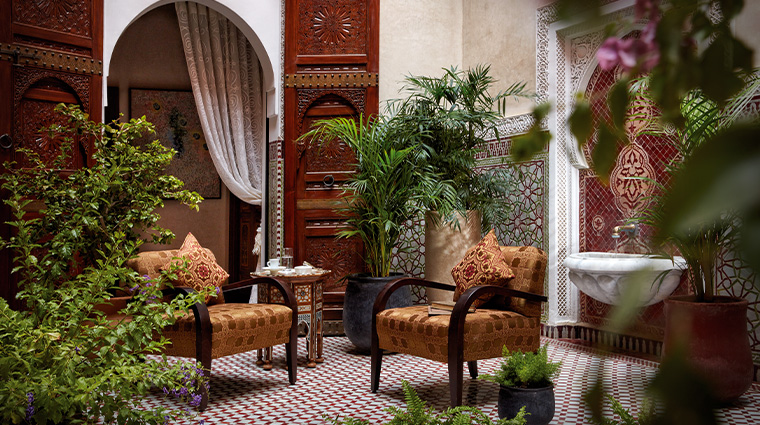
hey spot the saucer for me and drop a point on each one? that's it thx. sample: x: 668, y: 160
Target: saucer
x: 274, y: 271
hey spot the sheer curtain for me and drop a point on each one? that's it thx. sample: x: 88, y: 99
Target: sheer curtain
x: 226, y: 80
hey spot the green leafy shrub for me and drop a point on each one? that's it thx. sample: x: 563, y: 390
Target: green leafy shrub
x: 61, y: 361
x: 525, y: 370
x: 417, y: 413
x: 646, y: 416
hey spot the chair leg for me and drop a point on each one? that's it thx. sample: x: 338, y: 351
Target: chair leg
x: 376, y: 361
x: 291, y: 353
x: 205, y: 361
x: 455, y: 382
x: 473, y: 367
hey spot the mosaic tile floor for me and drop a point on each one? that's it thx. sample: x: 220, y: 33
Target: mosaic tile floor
x: 242, y: 393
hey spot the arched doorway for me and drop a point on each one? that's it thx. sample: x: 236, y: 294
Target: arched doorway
x: 148, y: 57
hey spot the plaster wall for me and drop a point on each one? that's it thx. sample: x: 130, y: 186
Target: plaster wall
x: 149, y: 55
x: 260, y: 21
x: 417, y: 38
x: 503, y: 34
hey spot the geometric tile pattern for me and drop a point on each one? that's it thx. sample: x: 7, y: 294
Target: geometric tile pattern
x: 242, y: 393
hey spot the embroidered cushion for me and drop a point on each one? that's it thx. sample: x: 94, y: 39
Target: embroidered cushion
x: 202, y: 269
x: 483, y: 264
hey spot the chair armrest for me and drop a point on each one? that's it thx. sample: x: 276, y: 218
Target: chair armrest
x: 462, y: 307
x: 391, y: 287
x: 202, y: 323
x: 280, y: 285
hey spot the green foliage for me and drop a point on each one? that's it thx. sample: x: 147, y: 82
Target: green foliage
x: 447, y: 117
x: 417, y: 413
x: 61, y: 360
x: 646, y: 416
x: 387, y: 189
x: 525, y: 370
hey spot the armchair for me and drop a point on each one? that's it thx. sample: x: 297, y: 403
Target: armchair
x: 512, y: 318
x: 228, y: 327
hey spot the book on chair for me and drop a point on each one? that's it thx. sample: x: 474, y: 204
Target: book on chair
x: 444, y: 307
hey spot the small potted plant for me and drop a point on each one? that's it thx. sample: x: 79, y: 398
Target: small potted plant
x: 384, y: 193
x: 525, y: 379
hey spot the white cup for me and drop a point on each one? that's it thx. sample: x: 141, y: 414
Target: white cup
x: 303, y: 269
x: 274, y: 262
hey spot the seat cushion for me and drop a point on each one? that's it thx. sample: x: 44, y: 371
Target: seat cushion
x: 202, y: 270
x: 236, y: 328
x: 410, y: 330
x: 483, y: 264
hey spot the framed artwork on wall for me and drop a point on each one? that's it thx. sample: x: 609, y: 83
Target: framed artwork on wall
x: 178, y: 126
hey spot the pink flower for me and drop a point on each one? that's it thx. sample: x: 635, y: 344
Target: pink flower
x: 647, y: 9
x: 607, y: 55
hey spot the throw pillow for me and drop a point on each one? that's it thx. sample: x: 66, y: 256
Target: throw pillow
x: 483, y: 264
x: 202, y: 269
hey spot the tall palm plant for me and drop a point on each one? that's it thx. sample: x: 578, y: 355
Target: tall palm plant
x: 700, y: 245
x: 387, y: 189
x: 449, y: 118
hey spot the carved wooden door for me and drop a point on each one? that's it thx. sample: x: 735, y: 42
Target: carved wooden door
x: 50, y: 53
x: 331, y: 49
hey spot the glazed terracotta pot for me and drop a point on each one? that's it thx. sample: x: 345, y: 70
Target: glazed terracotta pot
x: 539, y: 402
x: 445, y: 246
x: 716, y: 339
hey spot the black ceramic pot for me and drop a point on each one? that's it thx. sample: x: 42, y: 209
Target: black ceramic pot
x: 361, y: 291
x: 539, y: 402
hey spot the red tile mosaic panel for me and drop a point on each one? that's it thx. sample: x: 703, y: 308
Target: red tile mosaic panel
x: 602, y: 207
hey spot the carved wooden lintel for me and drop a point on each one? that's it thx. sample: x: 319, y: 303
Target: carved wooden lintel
x: 332, y: 80
x: 30, y: 56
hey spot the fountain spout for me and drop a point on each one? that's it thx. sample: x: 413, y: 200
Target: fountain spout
x: 632, y: 230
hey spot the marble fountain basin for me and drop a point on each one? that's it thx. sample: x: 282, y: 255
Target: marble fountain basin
x: 604, y: 275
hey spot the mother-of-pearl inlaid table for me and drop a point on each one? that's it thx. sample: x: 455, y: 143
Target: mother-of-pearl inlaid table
x: 307, y: 289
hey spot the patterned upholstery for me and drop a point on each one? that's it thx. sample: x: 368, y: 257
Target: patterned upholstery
x: 410, y: 330
x: 201, y: 272
x: 150, y: 263
x: 529, y: 266
x: 483, y: 264
x: 236, y: 328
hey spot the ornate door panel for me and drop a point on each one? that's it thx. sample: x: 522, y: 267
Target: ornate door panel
x: 331, y: 49
x: 50, y: 53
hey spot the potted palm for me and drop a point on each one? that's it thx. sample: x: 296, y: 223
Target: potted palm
x: 384, y: 193
x: 525, y: 381
x: 709, y: 328
x: 449, y: 117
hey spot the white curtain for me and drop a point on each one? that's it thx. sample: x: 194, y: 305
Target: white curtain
x: 226, y: 80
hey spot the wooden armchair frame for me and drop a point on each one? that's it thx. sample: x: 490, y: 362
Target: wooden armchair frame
x: 238, y: 292
x: 455, y: 328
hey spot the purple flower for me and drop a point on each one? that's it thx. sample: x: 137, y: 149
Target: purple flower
x: 166, y: 391
x: 218, y: 289
x: 29, y: 406
x: 196, y: 401
x: 202, y: 422
x: 76, y: 349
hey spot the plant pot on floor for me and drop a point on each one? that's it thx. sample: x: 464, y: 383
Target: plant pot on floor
x: 716, y: 341
x: 445, y: 246
x: 539, y: 402
x: 361, y: 291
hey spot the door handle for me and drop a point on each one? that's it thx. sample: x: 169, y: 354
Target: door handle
x: 5, y: 141
x: 328, y: 181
